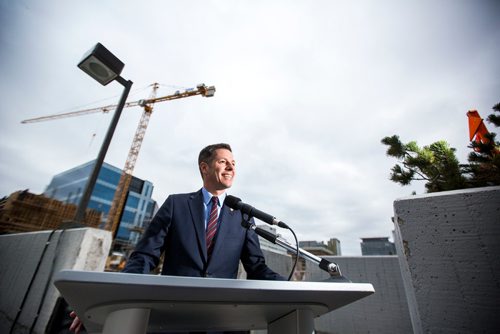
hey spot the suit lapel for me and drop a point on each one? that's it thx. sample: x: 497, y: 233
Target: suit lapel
x: 197, y: 215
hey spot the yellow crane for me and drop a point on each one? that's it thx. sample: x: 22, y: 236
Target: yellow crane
x: 118, y: 203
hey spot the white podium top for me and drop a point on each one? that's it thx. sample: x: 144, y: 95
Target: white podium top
x: 188, y: 303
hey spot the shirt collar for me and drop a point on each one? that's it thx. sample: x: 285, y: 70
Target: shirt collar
x: 208, y: 196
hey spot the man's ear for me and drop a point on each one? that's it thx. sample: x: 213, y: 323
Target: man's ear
x: 203, y: 168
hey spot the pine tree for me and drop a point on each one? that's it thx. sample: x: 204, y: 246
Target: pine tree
x: 437, y: 164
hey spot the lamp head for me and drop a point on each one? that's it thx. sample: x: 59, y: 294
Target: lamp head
x: 101, y: 64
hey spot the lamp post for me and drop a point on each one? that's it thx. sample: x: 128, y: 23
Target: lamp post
x: 104, y: 67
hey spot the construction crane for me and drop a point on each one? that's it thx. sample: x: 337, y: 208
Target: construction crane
x: 479, y: 133
x: 477, y: 129
x: 119, y: 199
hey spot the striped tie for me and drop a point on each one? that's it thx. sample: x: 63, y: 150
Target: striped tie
x: 212, y: 226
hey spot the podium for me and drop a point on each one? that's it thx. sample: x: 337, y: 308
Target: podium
x: 112, y: 303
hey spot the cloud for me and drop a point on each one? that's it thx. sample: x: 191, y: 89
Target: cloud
x: 304, y: 94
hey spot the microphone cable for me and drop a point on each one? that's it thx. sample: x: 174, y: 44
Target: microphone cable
x: 296, y: 255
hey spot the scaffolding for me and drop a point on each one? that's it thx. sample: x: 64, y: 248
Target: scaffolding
x: 23, y: 211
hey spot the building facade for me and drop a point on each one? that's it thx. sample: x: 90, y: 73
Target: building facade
x: 69, y: 185
x: 268, y: 245
x: 315, y: 247
x: 377, y: 246
x: 334, y: 245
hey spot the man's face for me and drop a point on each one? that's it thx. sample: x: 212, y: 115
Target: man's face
x: 219, y: 174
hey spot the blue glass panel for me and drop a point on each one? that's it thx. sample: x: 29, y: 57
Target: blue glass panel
x: 128, y: 217
x: 123, y: 233
x: 151, y: 208
x: 109, y: 175
x: 104, y: 192
x: 99, y: 206
x: 61, y: 191
x: 132, y: 201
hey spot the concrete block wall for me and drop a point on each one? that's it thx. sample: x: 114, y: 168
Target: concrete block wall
x: 449, y: 250
x: 386, y: 311
x: 280, y: 263
x: 28, y: 262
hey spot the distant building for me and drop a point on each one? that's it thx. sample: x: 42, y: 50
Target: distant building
x: 23, y: 211
x: 315, y: 247
x: 334, y: 245
x: 139, y: 208
x: 268, y: 245
x: 377, y: 246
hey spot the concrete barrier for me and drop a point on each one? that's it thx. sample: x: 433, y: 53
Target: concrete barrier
x: 386, y: 311
x: 28, y: 262
x: 449, y: 251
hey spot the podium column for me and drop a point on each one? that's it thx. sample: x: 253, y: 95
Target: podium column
x: 296, y: 322
x: 127, y: 321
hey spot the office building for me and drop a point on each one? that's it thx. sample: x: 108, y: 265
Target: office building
x: 377, y: 246
x: 69, y: 185
x: 315, y: 247
x: 268, y: 245
x: 334, y: 245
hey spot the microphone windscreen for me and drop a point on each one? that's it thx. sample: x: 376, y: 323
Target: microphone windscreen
x: 232, y: 202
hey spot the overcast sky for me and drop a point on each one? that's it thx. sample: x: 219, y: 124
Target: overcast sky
x: 305, y: 92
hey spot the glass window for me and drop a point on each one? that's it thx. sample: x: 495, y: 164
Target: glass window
x: 128, y: 217
x: 136, y: 185
x: 109, y: 175
x: 61, y: 191
x: 99, y: 206
x: 123, y: 233
x: 132, y: 201
x: 104, y: 192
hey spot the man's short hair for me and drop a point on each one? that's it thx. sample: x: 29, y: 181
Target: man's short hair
x: 208, y: 153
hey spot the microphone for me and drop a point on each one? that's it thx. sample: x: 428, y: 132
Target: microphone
x: 236, y: 204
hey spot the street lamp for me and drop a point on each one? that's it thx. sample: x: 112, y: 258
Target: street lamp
x: 104, y: 67
x: 101, y: 64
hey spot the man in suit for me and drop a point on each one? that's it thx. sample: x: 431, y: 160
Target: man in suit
x: 179, y: 230
x: 198, y: 234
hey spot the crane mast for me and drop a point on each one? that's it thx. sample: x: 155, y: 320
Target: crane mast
x: 118, y: 204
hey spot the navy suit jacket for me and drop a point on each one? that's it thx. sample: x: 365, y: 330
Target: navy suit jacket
x: 178, y: 230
